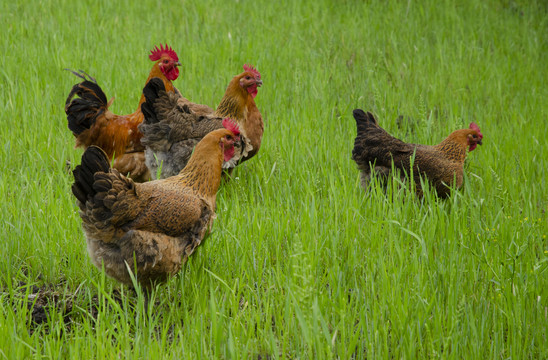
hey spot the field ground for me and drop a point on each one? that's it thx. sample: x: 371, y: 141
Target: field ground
x: 302, y: 262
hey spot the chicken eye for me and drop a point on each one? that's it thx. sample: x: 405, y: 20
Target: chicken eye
x: 248, y: 77
x: 165, y: 61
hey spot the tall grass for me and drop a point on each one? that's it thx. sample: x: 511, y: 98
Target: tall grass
x: 302, y: 262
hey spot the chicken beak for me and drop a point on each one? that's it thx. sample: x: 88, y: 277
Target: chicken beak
x: 177, y: 63
x: 259, y: 82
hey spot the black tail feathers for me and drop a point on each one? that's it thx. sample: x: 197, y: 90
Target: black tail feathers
x: 364, y: 120
x: 90, y: 103
x: 151, y: 92
x: 94, y: 160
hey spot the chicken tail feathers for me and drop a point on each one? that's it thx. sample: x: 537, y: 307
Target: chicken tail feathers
x: 151, y: 92
x: 155, y: 130
x: 364, y: 121
x: 94, y: 160
x: 371, y: 141
x: 90, y: 103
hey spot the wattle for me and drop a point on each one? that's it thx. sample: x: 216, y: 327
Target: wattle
x: 172, y: 74
x: 229, y: 154
x: 252, y: 90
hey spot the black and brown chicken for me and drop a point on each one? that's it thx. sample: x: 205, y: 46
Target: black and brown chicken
x: 441, y: 164
x: 173, y: 125
x: 149, y: 229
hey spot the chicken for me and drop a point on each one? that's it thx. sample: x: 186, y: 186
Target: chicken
x: 92, y: 123
x: 151, y: 228
x: 172, y: 125
x: 441, y: 164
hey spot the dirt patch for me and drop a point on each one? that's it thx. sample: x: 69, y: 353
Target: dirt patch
x: 43, y: 303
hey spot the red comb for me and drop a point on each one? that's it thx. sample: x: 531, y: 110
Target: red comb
x: 156, y: 54
x: 475, y: 126
x: 229, y: 124
x: 251, y: 69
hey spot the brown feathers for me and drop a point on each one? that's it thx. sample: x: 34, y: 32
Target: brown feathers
x: 92, y: 123
x: 170, y: 130
x: 150, y: 227
x: 442, y: 164
x: 173, y: 125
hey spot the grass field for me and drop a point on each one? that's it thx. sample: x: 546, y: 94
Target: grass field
x: 302, y: 262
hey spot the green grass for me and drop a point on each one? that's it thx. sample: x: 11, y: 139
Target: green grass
x: 302, y: 262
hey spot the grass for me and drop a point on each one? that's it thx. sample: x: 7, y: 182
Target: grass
x: 302, y: 262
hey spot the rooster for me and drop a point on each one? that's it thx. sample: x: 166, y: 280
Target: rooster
x: 172, y: 125
x: 441, y: 164
x: 92, y: 123
x: 155, y: 226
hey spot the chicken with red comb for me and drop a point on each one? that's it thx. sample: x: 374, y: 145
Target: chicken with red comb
x: 92, y: 123
x: 145, y: 232
x: 442, y: 164
x: 173, y: 125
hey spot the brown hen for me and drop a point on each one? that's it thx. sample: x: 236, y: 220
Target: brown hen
x: 441, y: 164
x: 149, y: 229
x: 172, y: 125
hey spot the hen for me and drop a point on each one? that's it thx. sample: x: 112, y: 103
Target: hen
x: 172, y: 125
x: 149, y: 228
x: 441, y: 164
x: 92, y: 123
